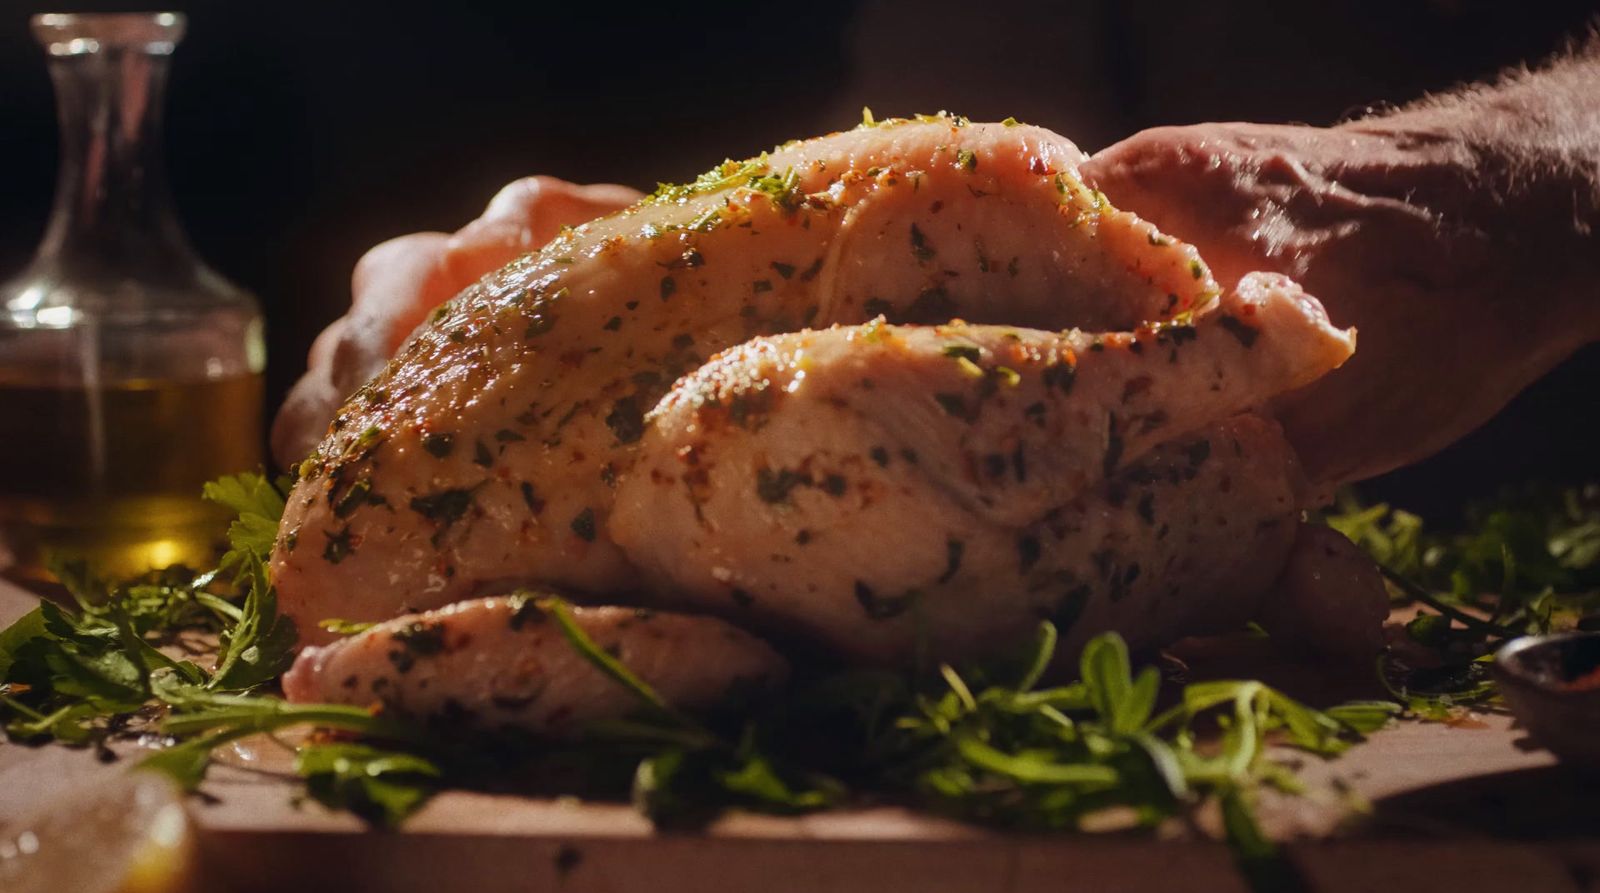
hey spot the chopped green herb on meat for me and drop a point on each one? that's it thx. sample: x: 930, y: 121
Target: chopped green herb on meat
x: 438, y: 445
x: 444, y: 508
x: 584, y: 526
x: 920, y: 249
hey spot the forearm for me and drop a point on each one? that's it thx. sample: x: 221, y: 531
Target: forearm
x: 1515, y: 167
x: 1534, y: 125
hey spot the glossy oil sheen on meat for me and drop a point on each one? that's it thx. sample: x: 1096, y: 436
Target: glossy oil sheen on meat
x: 491, y: 452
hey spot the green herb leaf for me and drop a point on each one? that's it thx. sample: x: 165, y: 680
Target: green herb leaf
x: 259, y: 505
x: 260, y: 646
x: 1525, y: 563
x: 28, y: 628
x: 605, y: 663
x: 383, y: 787
x: 340, y: 627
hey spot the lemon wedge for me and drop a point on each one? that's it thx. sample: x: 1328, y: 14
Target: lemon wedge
x: 126, y: 832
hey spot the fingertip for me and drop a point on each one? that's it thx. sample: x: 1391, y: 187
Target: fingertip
x: 515, y: 201
x: 1145, y: 152
x: 525, y: 215
x: 610, y: 195
x: 381, y: 260
x: 327, y: 340
x: 304, y: 416
x: 520, y: 200
x: 483, y: 245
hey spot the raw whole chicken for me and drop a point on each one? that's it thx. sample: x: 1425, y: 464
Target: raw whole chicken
x: 905, y: 389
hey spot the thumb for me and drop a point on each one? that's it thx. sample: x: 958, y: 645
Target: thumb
x: 1194, y: 183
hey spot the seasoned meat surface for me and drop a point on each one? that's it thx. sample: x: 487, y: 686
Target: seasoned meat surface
x: 492, y: 663
x: 488, y: 451
x: 903, y: 390
x: 859, y: 475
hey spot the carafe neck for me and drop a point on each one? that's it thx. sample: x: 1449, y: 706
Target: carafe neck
x: 113, y: 206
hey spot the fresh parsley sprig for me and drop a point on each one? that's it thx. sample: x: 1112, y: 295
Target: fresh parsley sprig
x: 1011, y: 754
x: 1527, y: 563
x: 80, y: 675
x: 1003, y: 752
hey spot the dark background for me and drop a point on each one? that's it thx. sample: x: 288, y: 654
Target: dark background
x: 300, y: 136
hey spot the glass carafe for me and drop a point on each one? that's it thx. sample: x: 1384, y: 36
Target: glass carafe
x: 130, y: 372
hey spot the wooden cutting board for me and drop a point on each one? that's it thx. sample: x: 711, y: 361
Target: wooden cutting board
x: 1466, y: 808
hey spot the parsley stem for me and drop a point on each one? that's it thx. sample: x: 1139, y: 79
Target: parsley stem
x: 1044, y: 651
x: 1422, y: 595
x: 616, y: 670
x: 25, y: 710
x: 219, y: 606
x: 270, y: 714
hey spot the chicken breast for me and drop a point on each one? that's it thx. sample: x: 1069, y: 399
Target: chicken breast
x: 487, y: 453
x: 497, y: 663
x: 863, y: 482
x: 1183, y: 540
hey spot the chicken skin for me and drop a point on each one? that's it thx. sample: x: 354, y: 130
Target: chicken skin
x: 911, y: 385
x: 873, y: 483
x: 488, y: 450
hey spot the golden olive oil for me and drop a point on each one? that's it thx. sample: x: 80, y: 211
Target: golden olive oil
x: 113, y: 474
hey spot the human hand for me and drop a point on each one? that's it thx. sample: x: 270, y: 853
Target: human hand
x: 398, y: 283
x: 1462, y: 291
